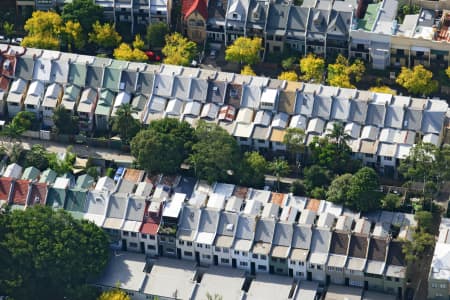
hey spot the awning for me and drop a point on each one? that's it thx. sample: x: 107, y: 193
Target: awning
x: 421, y: 49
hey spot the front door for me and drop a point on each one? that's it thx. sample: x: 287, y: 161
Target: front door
x: 216, y: 260
x: 252, y: 268
x: 233, y: 262
x: 142, y: 247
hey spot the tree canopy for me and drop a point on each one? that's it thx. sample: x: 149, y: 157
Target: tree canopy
x: 383, y: 89
x: 44, y: 28
x: 64, y: 122
x: 244, y: 50
x: 125, y: 52
x: 156, y: 34
x: 86, y: 12
x: 104, y: 35
x: 125, y: 124
x: 363, y: 194
x: 179, y: 50
x: 37, y: 157
x: 294, y: 139
x: 339, y: 188
x: 312, y: 68
x: 253, y: 169
x: 247, y: 70
x: 47, y: 253
x: 115, y: 294
x: 418, y: 80
x: 288, y: 75
x: 343, y: 73
x: 391, y: 201
x: 73, y: 35
x: 316, y: 176
x: 279, y: 167
x: 164, y: 146
x: 216, y: 155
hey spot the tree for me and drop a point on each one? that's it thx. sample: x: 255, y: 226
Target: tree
x: 62, y: 165
x: 342, y: 73
x: 244, y: 50
x: 338, y: 190
x: 179, y: 50
x: 125, y: 124
x: 279, y: 168
x: 312, y: 68
x: 125, y: 52
x: 8, y: 28
x: 417, y: 81
x: 316, y: 176
x: 288, y: 75
x: 247, y: 70
x: 363, y: 194
x: 415, y: 250
x: 138, y: 42
x: 287, y: 63
x: 216, y: 155
x: 115, y: 294
x: 44, y: 28
x: 37, y: 157
x: 25, y: 119
x: 253, y: 169
x: 64, y: 122
x: 383, y: 89
x: 156, y: 34
x: 294, y: 139
x: 339, y: 135
x: 298, y: 188
x: 86, y: 12
x: 104, y: 36
x: 46, y: 253
x: 424, y: 220
x: 391, y: 202
x: 163, y: 147
x: 73, y: 34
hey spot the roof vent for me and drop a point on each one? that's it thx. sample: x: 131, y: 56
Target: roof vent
x: 230, y: 227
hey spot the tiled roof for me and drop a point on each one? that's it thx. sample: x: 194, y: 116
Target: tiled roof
x: 377, y: 249
x: 190, y: 6
x: 5, y: 187
x: 38, y: 194
x: 358, y: 246
x: 396, y: 256
x: 20, y: 192
x: 339, y: 243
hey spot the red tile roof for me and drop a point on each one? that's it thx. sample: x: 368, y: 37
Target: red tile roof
x: 5, y: 187
x: 190, y: 6
x: 133, y: 175
x: 151, y: 221
x: 277, y: 198
x: 38, y: 190
x: 20, y: 192
x: 4, y: 83
x: 313, y: 204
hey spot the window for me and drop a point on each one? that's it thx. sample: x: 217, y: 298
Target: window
x: 226, y: 250
x: 263, y: 257
x: 163, y: 239
x: 236, y: 252
x: 244, y: 253
x: 133, y: 234
x: 144, y: 236
x: 299, y: 273
x: 200, y: 245
x: 387, y: 158
x: 279, y: 270
x: 319, y: 267
x: 125, y: 233
x: 188, y: 253
x: 189, y: 244
x: 243, y: 263
x: 224, y: 260
x: 368, y: 155
x: 243, y: 139
x: 301, y: 263
x: 133, y: 245
x: 442, y: 286
x: 170, y: 251
x: 206, y: 256
x: 152, y: 237
x: 207, y: 246
x: 171, y: 240
x: 218, y: 249
x: 181, y: 243
x: 255, y: 255
x: 235, y: 15
x: 151, y: 247
x: 262, y: 268
x: 282, y: 260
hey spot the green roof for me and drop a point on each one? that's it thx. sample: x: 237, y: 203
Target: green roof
x: 105, y: 103
x: 84, y: 181
x: 31, y: 173
x: 73, y: 92
x: 370, y: 17
x: 56, y: 198
x: 48, y: 176
x: 77, y: 74
x: 76, y: 200
x: 112, y: 75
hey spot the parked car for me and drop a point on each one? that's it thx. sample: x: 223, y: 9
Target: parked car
x: 119, y: 173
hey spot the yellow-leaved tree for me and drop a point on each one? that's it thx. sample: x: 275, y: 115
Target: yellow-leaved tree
x: 179, y: 50
x: 244, y: 50
x: 343, y: 73
x: 288, y: 75
x: 44, y: 28
x: 247, y: 70
x: 73, y: 33
x: 383, y: 89
x: 126, y: 52
x: 138, y: 42
x: 104, y: 35
x: 417, y: 80
x: 114, y: 294
x: 312, y: 68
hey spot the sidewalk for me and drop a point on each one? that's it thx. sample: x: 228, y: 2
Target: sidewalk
x: 81, y: 150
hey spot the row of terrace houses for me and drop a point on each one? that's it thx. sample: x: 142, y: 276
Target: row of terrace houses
x: 253, y: 230
x: 439, y: 276
x: 257, y: 111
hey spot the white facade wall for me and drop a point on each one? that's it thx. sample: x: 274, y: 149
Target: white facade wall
x: 205, y: 253
x: 132, y: 240
x: 242, y: 259
x: 298, y: 268
x: 150, y: 244
x: 187, y: 249
x: 223, y: 256
x: 317, y: 272
x: 261, y: 262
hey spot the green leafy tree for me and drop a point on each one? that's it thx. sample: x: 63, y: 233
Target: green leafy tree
x: 37, y: 157
x: 73, y: 34
x: 64, y: 122
x: 288, y: 63
x: 312, y: 68
x: 8, y: 28
x: 318, y: 192
x: 163, y: 147
x: 316, y: 176
x: 46, y: 253
x: 339, y: 188
x: 253, y: 169
x: 104, y: 35
x: 138, y: 42
x: 125, y: 124
x: 25, y: 119
x: 297, y: 188
x: 391, y: 202
x: 156, y: 34
x: 115, y: 294
x: 62, y: 165
x: 294, y: 139
x: 244, y: 50
x: 216, y: 155
x: 343, y: 73
x: 43, y: 28
x: 422, y: 244
x: 86, y: 12
x: 424, y: 220
x: 179, y: 50
x: 418, y: 80
x: 339, y: 135
x: 363, y: 194
x: 279, y: 168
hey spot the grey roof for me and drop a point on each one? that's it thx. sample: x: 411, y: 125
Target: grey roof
x: 163, y: 85
x: 136, y: 209
x: 239, y: 7
x: 339, y: 25
x: 302, y: 237
x: 96, y: 203
x: 144, y: 83
x: 305, y: 103
x: 320, y: 241
x: 24, y: 67
x: 246, y: 227
x: 277, y: 20
x: 283, y: 234
x: 265, y: 230
x: 317, y: 24
x: 251, y: 96
x: 209, y: 220
x: 199, y: 89
x: 433, y: 116
x: 181, y: 86
x: 257, y: 14
x: 128, y: 80
x: 125, y: 186
x: 413, y: 119
x: 227, y: 218
x: 296, y: 24
x: 117, y: 206
x: 322, y: 106
x: 394, y: 116
x: 217, y: 91
x: 60, y: 68
x: 340, y: 109
x: 189, y: 219
x: 376, y: 114
x: 358, y: 111
x: 94, y: 76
